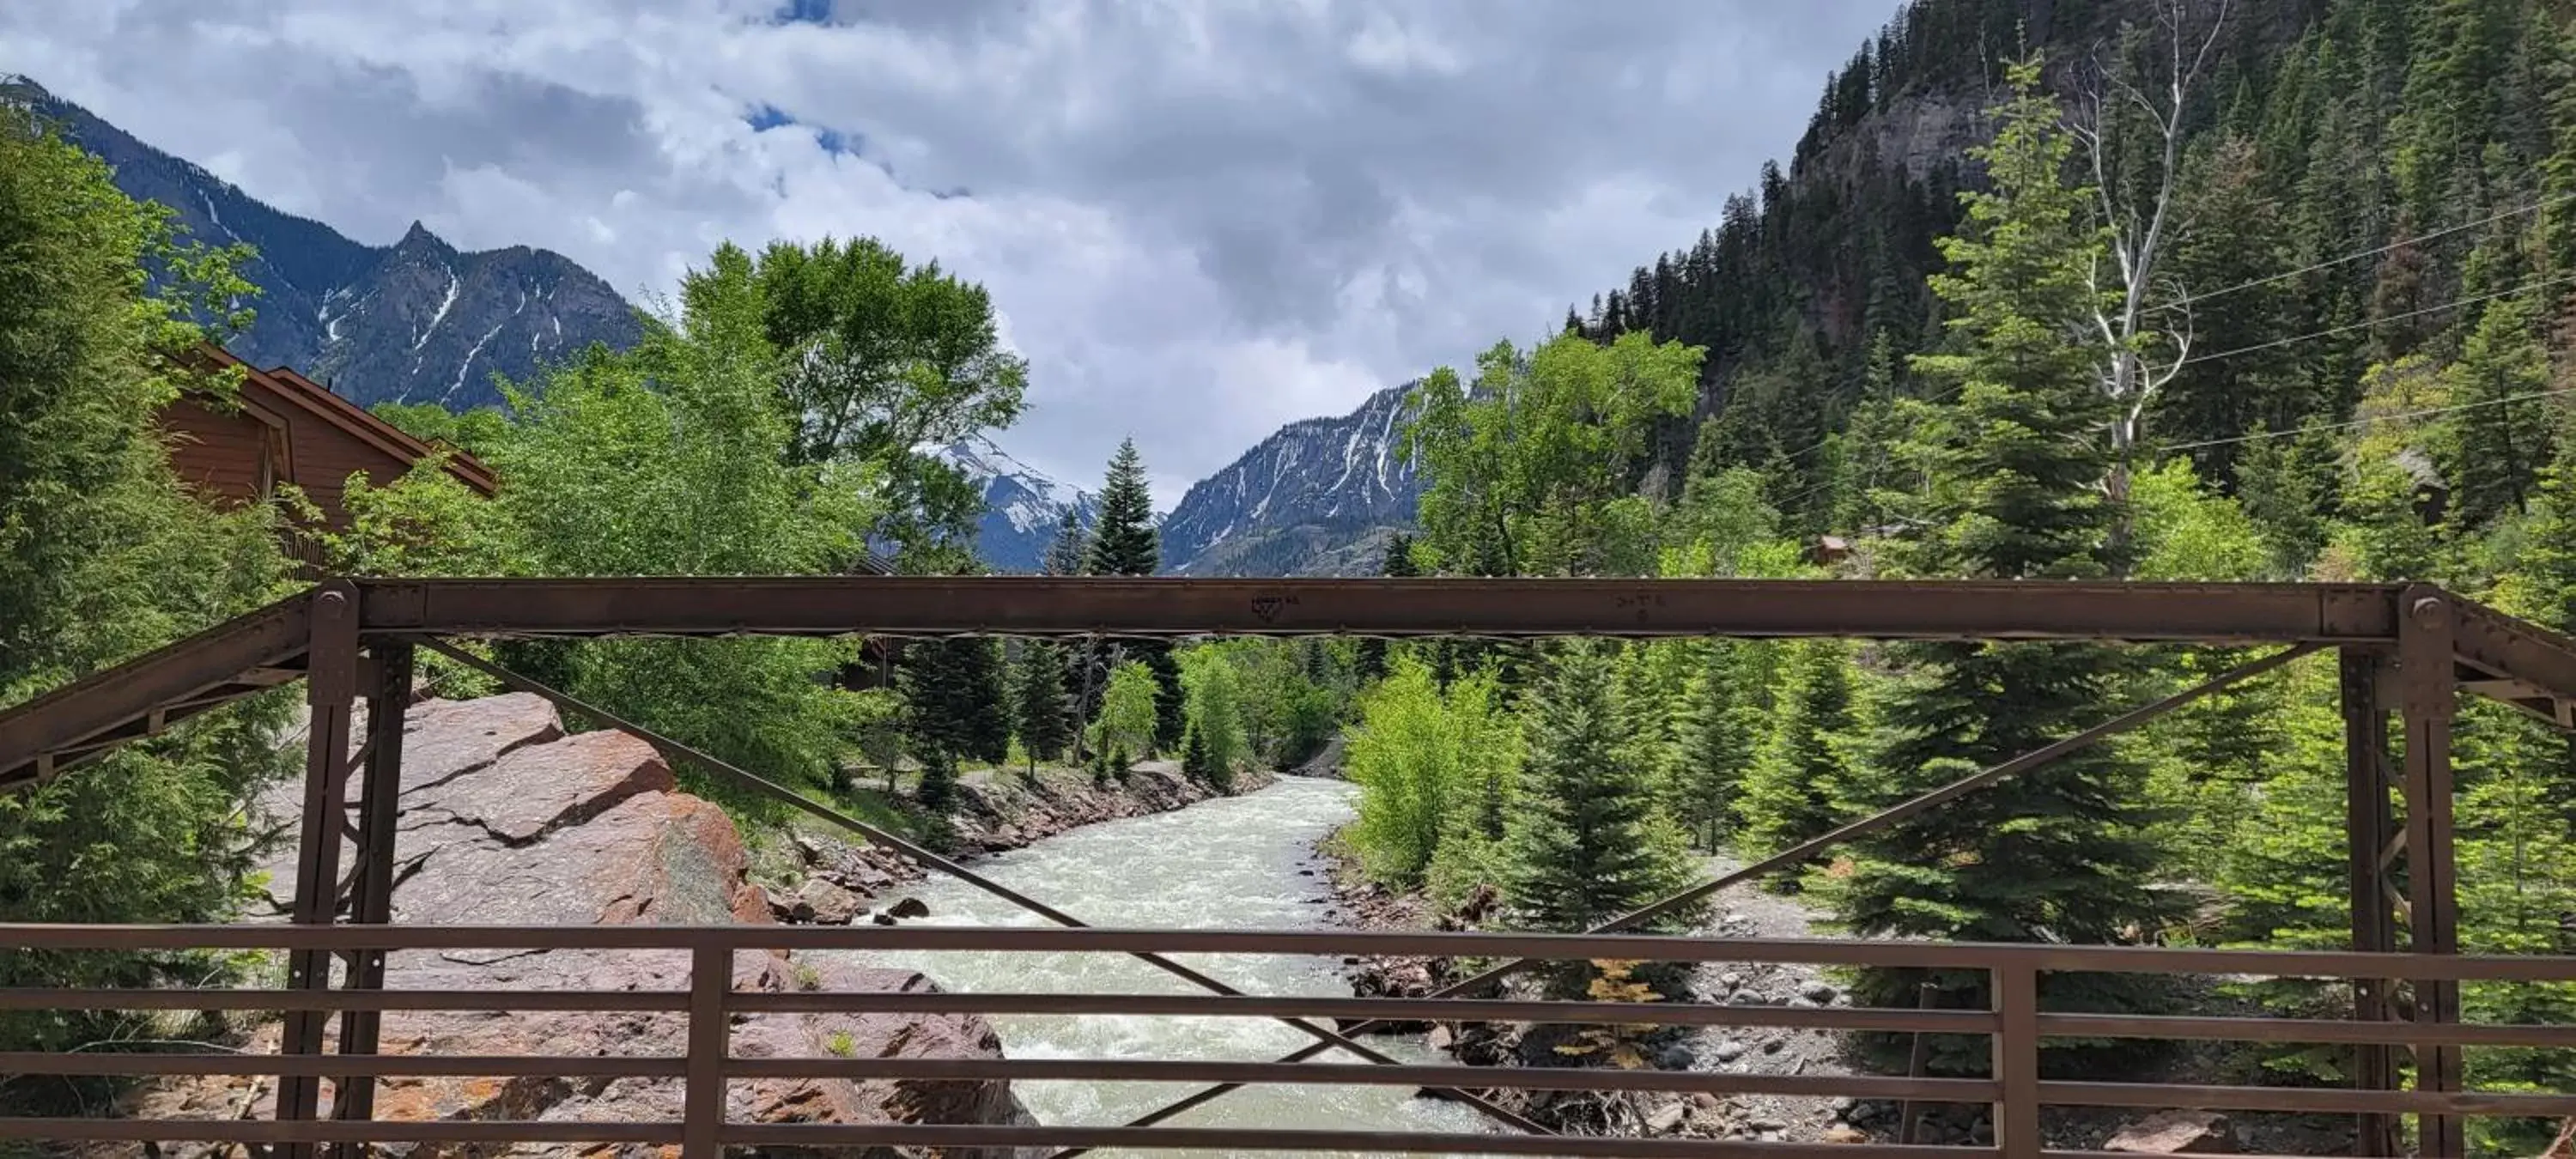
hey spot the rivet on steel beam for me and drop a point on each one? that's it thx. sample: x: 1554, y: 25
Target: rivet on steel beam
x: 332, y: 603
x: 2428, y: 611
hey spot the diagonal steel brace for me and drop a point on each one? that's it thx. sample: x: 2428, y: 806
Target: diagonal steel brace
x: 1801, y: 852
x: 1325, y: 1039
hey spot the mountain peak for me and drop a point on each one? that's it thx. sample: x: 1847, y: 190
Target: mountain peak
x: 418, y: 237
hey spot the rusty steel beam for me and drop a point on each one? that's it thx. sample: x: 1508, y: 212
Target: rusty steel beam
x: 2534, y: 668
x: 1325, y: 1037
x: 86, y: 711
x: 1046, y: 606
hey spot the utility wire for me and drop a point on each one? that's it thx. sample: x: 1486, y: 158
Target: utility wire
x: 2366, y: 324
x: 2369, y: 419
x: 2330, y: 263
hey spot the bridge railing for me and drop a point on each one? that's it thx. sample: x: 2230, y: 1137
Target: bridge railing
x: 2015, y: 1026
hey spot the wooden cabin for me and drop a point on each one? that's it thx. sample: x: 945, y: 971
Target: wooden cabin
x: 284, y: 428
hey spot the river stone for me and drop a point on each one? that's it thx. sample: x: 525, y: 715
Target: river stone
x: 1667, y: 1118
x: 910, y: 907
x: 1818, y: 992
x: 443, y: 738
x: 1730, y: 1050
x: 821, y: 901
x: 2176, y: 1133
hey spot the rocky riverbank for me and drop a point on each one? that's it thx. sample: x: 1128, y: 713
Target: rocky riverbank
x: 1748, y: 912
x: 831, y: 877
x: 505, y: 819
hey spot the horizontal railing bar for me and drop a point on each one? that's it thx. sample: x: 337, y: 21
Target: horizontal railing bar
x: 1237, y: 1139
x: 1375, y: 1009
x: 989, y: 939
x: 1364, y: 1074
x: 33, y: 1062
x: 2320, y: 1100
x: 37, y: 998
x: 2303, y: 1030
x: 334, y: 1131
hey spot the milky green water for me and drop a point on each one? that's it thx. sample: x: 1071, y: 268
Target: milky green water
x: 1227, y: 863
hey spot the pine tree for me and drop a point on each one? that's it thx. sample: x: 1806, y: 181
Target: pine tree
x: 1586, y: 842
x: 1396, y: 564
x: 1195, y: 762
x: 2504, y: 428
x: 1124, y: 543
x: 956, y: 702
x: 1798, y: 785
x: 1044, y: 722
x: 1123, y: 540
x: 1724, y: 712
x: 938, y: 789
x: 2058, y: 853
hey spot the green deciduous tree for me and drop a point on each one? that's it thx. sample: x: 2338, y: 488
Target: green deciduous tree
x: 1532, y: 473
x: 1215, y: 713
x: 1420, y: 756
x: 1126, y: 724
x: 879, y: 359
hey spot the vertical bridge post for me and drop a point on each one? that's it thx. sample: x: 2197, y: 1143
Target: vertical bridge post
x: 370, y: 898
x: 331, y: 685
x: 2370, y: 831
x: 2429, y: 698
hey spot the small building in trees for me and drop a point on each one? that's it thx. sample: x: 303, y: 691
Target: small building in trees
x: 280, y: 428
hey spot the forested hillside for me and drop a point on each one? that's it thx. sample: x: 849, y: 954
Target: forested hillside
x: 2147, y: 290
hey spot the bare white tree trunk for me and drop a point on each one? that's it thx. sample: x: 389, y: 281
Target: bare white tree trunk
x: 2144, y: 344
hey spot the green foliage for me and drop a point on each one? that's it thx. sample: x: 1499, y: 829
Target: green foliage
x: 955, y: 699
x: 938, y: 789
x: 1798, y: 786
x: 2504, y: 438
x: 474, y: 431
x: 1045, y: 715
x: 1530, y: 473
x: 1126, y: 723
x: 1215, y: 695
x: 103, y: 555
x: 1585, y: 841
x: 669, y: 459
x: 877, y: 359
x: 1725, y: 711
x: 1422, y: 757
x: 1397, y: 563
x: 1123, y: 539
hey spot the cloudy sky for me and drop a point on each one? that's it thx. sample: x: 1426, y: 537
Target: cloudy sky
x: 1200, y: 218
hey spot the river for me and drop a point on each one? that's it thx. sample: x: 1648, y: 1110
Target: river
x: 1227, y: 863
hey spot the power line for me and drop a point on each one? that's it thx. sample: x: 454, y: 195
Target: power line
x: 2366, y: 421
x: 2366, y: 324
x: 2330, y: 263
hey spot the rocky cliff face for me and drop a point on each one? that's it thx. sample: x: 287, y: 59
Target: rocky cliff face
x: 1317, y: 498
x: 417, y: 321
x: 507, y: 820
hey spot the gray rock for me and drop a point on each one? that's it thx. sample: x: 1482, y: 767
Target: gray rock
x: 1819, y: 992
x: 911, y: 907
x: 1803, y: 1002
x: 1667, y: 1118
x: 1730, y: 1050
x: 1731, y: 980
x: 1772, y: 1045
x: 821, y: 901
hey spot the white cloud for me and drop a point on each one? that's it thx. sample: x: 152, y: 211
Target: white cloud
x: 1200, y: 219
